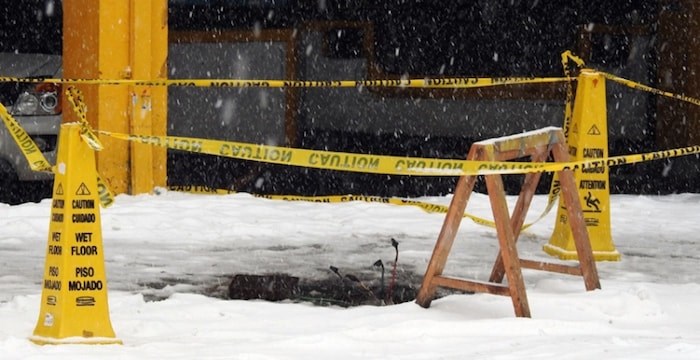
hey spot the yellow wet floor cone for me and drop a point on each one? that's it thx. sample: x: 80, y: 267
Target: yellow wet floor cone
x: 588, y: 138
x: 74, y: 307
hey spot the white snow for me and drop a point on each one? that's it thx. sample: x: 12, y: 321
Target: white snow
x: 648, y: 307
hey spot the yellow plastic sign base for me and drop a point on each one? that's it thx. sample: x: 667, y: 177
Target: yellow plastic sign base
x: 74, y: 307
x: 572, y: 255
x: 40, y: 340
x: 588, y: 138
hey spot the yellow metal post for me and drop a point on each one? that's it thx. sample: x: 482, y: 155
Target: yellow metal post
x: 109, y: 39
x: 147, y: 53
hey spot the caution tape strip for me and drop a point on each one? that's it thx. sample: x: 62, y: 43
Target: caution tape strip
x: 75, y: 98
x: 464, y: 82
x: 566, y: 58
x: 642, y: 87
x: 452, y: 83
x: 106, y: 195
x: 346, y: 161
x: 36, y: 159
x: 382, y: 164
x: 332, y: 160
x: 428, y: 207
x: 209, y: 147
x: 425, y: 206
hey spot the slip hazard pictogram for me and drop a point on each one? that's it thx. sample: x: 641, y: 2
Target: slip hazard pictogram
x: 592, y: 203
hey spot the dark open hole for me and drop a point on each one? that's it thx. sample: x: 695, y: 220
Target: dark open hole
x: 329, y: 291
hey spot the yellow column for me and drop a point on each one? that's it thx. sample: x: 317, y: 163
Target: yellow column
x: 148, y: 46
x: 115, y: 39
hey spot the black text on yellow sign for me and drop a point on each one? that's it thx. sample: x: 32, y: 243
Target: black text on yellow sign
x: 330, y: 160
x: 466, y: 82
x: 379, y: 164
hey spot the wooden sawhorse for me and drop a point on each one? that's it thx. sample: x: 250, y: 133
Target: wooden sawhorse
x: 537, y: 145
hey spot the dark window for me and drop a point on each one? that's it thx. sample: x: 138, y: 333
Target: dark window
x: 31, y: 26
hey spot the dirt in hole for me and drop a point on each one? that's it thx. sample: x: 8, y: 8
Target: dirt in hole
x: 344, y: 291
x: 337, y: 291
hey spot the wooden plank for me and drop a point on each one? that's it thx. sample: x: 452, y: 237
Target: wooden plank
x: 450, y: 226
x: 471, y: 285
x: 527, y: 192
x: 569, y: 194
x: 546, y: 266
x: 506, y: 240
x: 520, y: 142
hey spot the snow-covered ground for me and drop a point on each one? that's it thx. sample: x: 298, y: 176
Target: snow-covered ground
x: 177, y: 247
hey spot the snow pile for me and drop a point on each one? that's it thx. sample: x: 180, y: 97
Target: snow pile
x: 178, y: 246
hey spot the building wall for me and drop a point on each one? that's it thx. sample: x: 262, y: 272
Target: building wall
x: 347, y: 40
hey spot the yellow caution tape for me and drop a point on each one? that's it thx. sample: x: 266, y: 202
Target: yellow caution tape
x: 77, y: 101
x: 467, y: 82
x: 555, y: 186
x: 106, y: 195
x: 464, y: 82
x: 380, y: 164
x: 638, y: 86
x: 347, y: 161
x: 331, y: 160
x: 36, y: 160
x: 75, y: 98
x: 90, y: 138
x: 567, y: 56
x: 425, y: 206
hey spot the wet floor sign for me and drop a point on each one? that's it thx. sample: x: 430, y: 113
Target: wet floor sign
x: 588, y: 138
x: 74, y: 307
